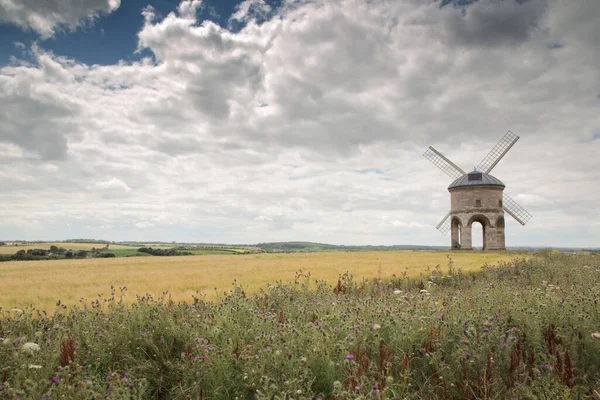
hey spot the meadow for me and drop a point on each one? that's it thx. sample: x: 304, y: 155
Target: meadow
x: 43, y: 283
x: 524, y: 329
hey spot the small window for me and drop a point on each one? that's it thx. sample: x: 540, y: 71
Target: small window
x: 474, y: 176
x: 477, y: 203
x: 500, y: 203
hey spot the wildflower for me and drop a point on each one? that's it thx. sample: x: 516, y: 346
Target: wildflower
x: 503, y: 346
x: 542, y: 367
x: 349, y: 356
x: 54, y: 379
x: 17, y: 311
x: 376, y: 327
x: 596, y: 335
x: 486, y: 329
x: 397, y: 291
x: 198, y: 339
x: 30, y: 348
x: 303, y: 359
x: 357, y: 388
x: 467, y: 355
x: 33, y: 366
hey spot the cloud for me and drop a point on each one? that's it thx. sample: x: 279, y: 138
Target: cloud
x: 49, y: 16
x: 250, y: 9
x: 353, y: 93
x: 494, y: 22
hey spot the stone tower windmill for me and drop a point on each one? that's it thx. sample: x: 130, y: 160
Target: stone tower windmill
x: 478, y: 197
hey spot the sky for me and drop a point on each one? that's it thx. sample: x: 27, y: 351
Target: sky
x: 254, y: 121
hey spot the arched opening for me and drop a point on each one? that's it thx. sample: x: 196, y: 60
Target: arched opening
x: 455, y: 228
x: 478, y: 225
x: 500, y: 222
x: 478, y: 235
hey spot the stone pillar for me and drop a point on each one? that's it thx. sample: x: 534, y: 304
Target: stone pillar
x: 466, y: 242
x: 455, y: 235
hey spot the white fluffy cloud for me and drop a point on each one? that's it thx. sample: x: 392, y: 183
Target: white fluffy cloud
x: 47, y: 16
x: 309, y: 125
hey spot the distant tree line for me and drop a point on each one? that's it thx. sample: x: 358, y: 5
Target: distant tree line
x: 164, y: 252
x: 54, y: 253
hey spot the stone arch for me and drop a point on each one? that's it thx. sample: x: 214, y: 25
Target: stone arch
x: 482, y: 219
x: 485, y: 224
x: 500, y: 222
x: 455, y: 232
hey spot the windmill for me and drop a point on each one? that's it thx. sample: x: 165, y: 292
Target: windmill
x: 478, y: 196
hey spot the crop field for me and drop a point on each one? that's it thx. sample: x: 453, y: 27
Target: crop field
x: 73, y: 246
x: 43, y: 283
x: 526, y: 329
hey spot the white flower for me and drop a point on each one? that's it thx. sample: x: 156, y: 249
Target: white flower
x: 397, y: 291
x: 376, y: 327
x: 596, y: 335
x: 33, y: 366
x: 17, y: 311
x: 30, y: 348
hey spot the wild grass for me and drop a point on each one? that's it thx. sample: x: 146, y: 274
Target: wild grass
x: 526, y: 329
x: 43, y: 283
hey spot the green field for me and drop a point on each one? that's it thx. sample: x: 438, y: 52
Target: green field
x: 524, y: 329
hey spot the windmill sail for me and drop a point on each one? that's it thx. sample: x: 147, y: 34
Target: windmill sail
x: 440, y: 161
x: 496, y: 154
x: 444, y: 225
x: 515, y: 210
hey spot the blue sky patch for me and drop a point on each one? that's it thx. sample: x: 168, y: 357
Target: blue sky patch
x: 112, y: 37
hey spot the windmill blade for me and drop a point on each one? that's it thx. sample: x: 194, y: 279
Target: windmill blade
x: 496, y: 154
x: 440, y: 161
x: 444, y: 225
x: 515, y: 210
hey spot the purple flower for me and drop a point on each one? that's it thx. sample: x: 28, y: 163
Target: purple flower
x: 542, y: 367
x: 468, y: 355
x: 503, y: 346
x: 54, y: 379
x: 349, y: 356
x: 357, y: 388
x: 486, y: 329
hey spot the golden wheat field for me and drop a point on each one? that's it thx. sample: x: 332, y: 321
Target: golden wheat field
x: 43, y: 283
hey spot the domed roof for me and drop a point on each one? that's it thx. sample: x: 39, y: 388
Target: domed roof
x: 476, y: 178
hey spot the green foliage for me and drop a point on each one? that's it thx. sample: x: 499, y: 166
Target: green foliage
x: 525, y: 329
x: 163, y: 252
x: 310, y: 247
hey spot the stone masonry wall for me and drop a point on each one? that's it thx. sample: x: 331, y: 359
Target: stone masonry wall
x: 464, y: 207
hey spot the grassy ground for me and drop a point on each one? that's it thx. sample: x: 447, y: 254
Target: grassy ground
x: 43, y: 283
x: 527, y: 329
x: 73, y: 246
